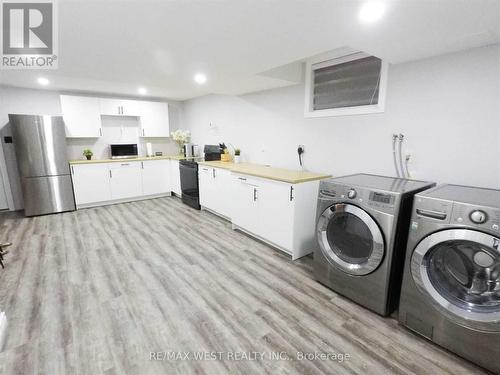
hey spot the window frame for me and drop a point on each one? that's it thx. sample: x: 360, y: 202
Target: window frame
x: 335, y: 59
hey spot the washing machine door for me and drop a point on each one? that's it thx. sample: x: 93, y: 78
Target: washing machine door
x: 350, y: 239
x: 459, y: 271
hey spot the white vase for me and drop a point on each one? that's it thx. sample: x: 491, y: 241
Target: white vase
x: 237, y: 158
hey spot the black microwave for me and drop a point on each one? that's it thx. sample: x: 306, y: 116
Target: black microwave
x: 124, y: 151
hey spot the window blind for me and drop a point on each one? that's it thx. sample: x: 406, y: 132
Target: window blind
x: 349, y: 84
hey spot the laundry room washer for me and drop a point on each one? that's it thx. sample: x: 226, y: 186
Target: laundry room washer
x: 451, y: 285
x: 361, y: 230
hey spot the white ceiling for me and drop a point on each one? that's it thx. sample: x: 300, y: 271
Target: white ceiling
x: 114, y: 46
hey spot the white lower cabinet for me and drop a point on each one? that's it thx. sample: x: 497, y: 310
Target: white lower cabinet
x: 224, y: 187
x: 91, y: 183
x: 125, y: 180
x: 277, y: 204
x: 246, y: 203
x: 216, y: 190
x: 155, y: 177
x: 207, y: 188
x: 279, y: 213
x: 175, y: 177
x: 101, y: 183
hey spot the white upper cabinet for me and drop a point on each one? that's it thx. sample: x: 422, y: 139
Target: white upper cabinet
x: 131, y: 107
x: 119, y: 107
x: 81, y: 116
x: 154, y: 119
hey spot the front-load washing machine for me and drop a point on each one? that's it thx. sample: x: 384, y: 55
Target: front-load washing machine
x: 451, y: 286
x: 361, y: 230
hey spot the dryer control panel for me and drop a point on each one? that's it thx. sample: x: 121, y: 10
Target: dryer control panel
x: 486, y: 218
x: 379, y: 200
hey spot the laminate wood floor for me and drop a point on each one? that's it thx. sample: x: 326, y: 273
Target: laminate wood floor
x: 97, y: 290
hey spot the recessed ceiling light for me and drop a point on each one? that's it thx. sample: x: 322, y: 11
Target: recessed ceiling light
x: 200, y: 78
x: 371, y: 11
x: 43, y: 81
x: 142, y: 91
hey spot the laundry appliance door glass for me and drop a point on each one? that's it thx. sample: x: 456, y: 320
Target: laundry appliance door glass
x: 460, y: 270
x: 350, y: 239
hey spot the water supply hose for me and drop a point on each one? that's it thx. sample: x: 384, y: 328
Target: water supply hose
x: 394, y: 139
x: 401, y: 137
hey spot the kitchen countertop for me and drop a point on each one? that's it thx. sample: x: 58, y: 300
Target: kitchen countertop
x: 256, y: 170
x: 263, y: 171
x: 144, y: 158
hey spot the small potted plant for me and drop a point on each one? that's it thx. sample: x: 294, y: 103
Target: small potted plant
x: 237, y: 155
x: 88, y: 153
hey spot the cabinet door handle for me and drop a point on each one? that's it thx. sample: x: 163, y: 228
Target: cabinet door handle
x: 291, y: 193
x: 213, y: 172
x: 110, y: 174
x: 100, y: 132
x: 205, y: 169
x: 242, y: 178
x: 143, y: 132
x: 125, y: 164
x: 142, y: 164
x: 254, y: 194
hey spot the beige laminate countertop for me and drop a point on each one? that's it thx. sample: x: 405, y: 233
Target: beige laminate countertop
x: 263, y: 171
x: 145, y: 158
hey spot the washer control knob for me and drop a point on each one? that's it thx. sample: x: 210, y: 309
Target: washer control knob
x: 351, y: 194
x: 478, y: 217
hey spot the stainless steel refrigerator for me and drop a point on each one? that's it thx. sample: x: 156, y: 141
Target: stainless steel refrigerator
x: 40, y: 143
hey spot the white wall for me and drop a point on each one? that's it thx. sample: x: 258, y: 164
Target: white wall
x: 447, y: 107
x: 29, y: 101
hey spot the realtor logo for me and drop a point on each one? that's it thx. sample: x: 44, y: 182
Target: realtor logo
x: 29, y: 34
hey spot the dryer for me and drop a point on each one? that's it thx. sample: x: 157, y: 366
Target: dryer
x: 451, y: 286
x: 362, y: 224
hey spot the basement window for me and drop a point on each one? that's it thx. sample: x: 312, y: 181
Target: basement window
x: 348, y: 85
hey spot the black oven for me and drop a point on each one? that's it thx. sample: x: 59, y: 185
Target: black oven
x: 123, y: 151
x: 189, y: 183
